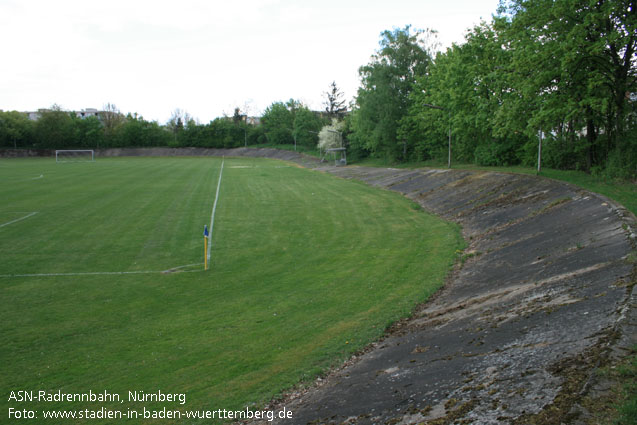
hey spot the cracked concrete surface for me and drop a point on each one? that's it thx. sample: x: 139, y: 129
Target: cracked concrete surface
x: 544, y: 296
x: 544, y: 291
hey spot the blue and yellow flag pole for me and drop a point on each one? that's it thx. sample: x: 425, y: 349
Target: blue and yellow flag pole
x: 205, y: 247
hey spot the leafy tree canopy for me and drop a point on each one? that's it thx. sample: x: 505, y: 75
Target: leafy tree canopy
x: 386, y: 82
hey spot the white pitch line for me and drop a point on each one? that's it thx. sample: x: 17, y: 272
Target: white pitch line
x: 77, y: 274
x: 178, y: 268
x: 174, y: 269
x: 183, y: 267
x: 214, y: 208
x: 19, y: 219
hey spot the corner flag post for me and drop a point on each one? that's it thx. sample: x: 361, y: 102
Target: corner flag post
x: 205, y: 247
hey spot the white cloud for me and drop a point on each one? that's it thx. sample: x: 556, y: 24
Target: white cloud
x: 198, y: 55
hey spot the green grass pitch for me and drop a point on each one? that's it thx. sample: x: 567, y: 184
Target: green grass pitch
x: 306, y: 269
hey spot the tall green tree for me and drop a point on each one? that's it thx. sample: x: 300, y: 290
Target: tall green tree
x: 278, y: 121
x: 574, y: 62
x: 55, y: 129
x: 335, y: 104
x: 386, y: 82
x: 111, y: 119
x: 16, y: 130
x: 307, y: 124
x: 177, y: 122
x: 468, y: 83
x: 89, y: 132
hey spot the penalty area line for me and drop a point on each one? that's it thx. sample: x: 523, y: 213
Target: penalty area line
x: 19, y: 219
x: 214, y: 209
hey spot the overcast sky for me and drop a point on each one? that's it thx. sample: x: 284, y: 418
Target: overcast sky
x: 202, y: 56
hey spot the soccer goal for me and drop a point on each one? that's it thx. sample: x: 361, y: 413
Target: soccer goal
x: 77, y: 155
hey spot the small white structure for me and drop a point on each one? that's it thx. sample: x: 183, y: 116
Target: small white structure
x: 338, y: 154
x: 74, y: 155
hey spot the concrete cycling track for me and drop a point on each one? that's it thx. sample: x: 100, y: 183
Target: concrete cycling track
x: 544, y: 295
x: 543, y: 299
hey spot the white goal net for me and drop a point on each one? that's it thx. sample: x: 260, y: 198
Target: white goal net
x: 74, y: 155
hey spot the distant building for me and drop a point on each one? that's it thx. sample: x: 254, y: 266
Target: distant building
x: 33, y: 116
x: 89, y: 112
x: 84, y: 113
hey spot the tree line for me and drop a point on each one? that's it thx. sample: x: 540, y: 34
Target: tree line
x: 560, y: 70
x: 288, y: 122
x: 56, y: 128
x: 563, y: 71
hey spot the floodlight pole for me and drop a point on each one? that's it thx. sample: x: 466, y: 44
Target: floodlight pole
x: 443, y: 109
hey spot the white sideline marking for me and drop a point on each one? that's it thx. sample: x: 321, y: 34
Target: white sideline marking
x: 76, y: 274
x: 171, y: 270
x: 25, y: 179
x: 19, y: 219
x: 214, y: 208
x: 178, y: 268
x: 257, y: 166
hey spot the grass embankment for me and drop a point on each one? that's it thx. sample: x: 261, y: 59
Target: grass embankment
x: 306, y: 269
x: 627, y: 375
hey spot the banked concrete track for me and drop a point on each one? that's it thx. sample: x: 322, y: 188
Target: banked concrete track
x: 543, y: 299
x: 516, y: 335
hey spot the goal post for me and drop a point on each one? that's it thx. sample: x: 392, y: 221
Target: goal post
x: 74, y: 155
